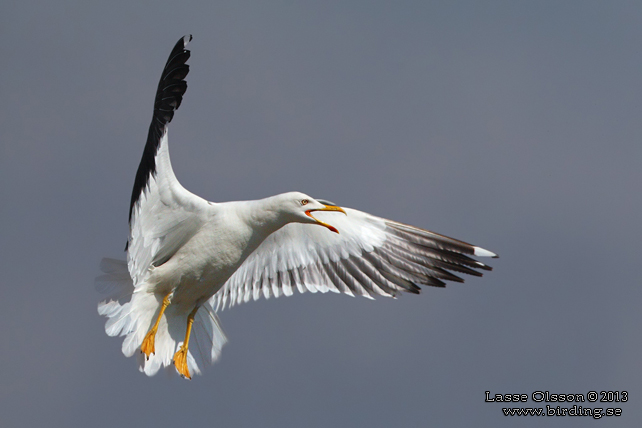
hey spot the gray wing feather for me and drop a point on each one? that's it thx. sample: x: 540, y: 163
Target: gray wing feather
x: 370, y: 256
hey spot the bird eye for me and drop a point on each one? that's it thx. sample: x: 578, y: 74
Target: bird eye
x: 304, y: 202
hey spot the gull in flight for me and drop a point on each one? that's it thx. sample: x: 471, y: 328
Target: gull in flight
x: 187, y: 257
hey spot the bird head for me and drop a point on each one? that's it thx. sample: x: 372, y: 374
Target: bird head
x: 303, y: 207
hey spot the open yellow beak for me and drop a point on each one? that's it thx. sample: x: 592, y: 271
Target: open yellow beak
x: 326, y: 208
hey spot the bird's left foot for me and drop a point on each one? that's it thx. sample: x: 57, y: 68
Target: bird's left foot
x: 180, y: 361
x: 147, y: 347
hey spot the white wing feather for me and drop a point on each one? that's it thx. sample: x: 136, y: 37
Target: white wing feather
x: 164, y: 218
x: 370, y: 256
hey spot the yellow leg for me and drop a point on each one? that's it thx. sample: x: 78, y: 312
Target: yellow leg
x: 180, y: 357
x: 147, y: 347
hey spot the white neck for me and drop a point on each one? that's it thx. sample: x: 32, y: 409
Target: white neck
x: 263, y: 216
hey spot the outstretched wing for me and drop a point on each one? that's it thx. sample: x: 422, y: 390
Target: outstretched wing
x: 162, y: 214
x: 370, y: 256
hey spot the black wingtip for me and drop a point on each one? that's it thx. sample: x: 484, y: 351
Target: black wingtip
x: 169, y: 95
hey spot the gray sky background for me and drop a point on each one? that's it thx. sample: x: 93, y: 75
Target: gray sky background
x: 511, y: 125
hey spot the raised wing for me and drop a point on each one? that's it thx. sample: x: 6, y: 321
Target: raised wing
x: 370, y: 256
x: 162, y: 214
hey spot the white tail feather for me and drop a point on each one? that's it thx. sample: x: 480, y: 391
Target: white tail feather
x: 131, y: 312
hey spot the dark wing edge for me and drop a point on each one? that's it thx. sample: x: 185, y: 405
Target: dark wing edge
x: 422, y: 257
x: 171, y: 88
x: 409, y: 257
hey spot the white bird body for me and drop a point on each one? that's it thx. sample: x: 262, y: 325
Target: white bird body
x: 187, y: 258
x: 229, y: 233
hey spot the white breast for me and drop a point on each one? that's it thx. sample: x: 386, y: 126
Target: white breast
x: 202, y: 266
